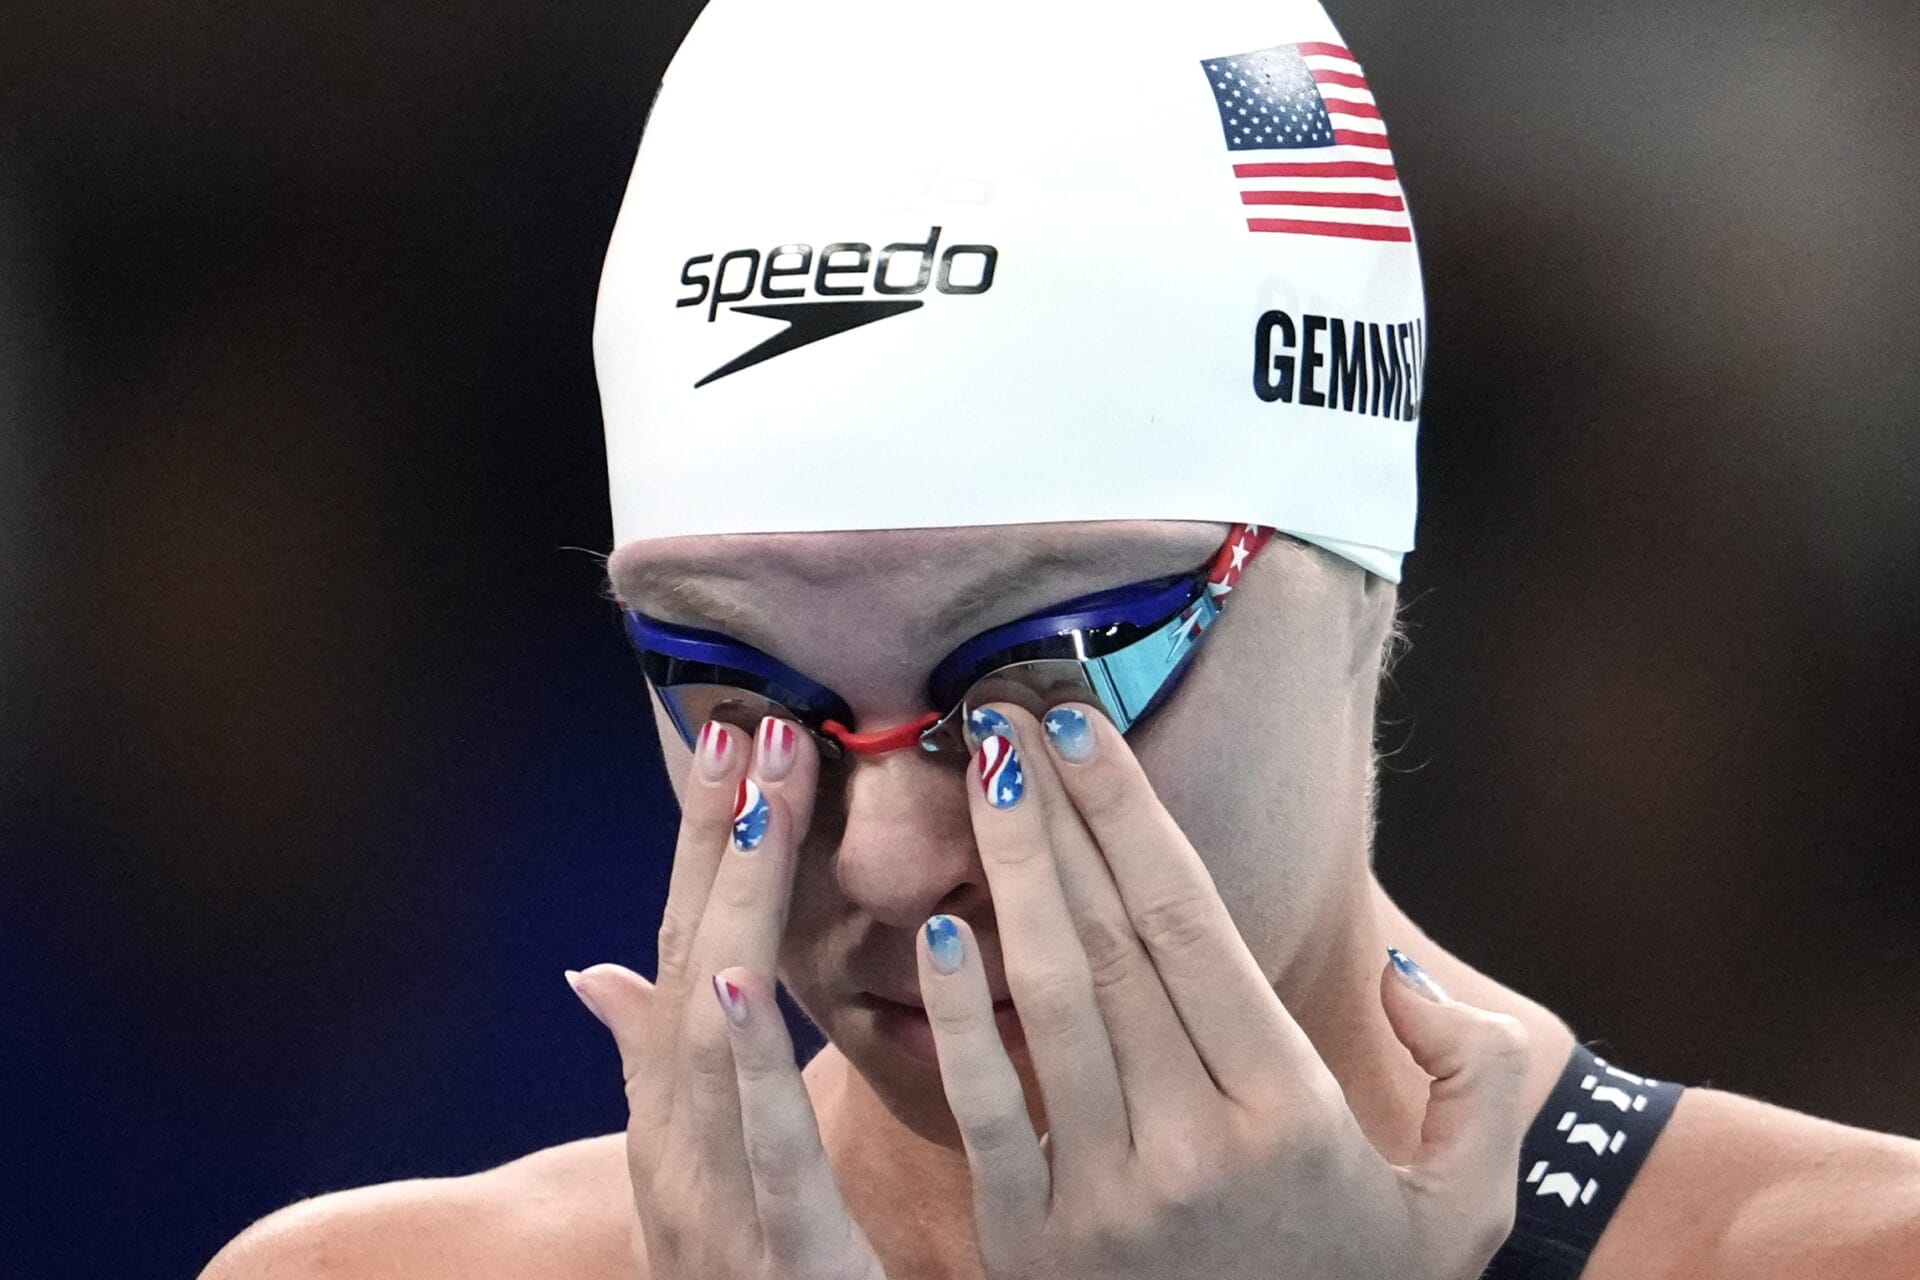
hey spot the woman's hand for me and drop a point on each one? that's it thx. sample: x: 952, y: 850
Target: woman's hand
x: 729, y: 1177
x: 1193, y: 1129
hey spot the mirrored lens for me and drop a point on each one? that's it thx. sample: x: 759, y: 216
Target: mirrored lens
x: 1035, y: 687
x: 692, y: 705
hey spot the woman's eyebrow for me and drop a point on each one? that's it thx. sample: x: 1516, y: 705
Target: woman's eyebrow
x: 693, y: 594
x: 689, y: 591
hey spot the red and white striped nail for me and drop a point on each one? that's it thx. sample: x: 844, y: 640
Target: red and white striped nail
x: 776, y: 748
x: 711, y: 751
x: 732, y: 1001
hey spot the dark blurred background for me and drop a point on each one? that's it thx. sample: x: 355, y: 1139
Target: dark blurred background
x: 321, y: 756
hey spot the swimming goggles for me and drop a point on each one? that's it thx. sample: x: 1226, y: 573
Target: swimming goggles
x: 1122, y: 650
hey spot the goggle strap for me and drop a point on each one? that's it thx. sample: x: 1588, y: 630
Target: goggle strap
x: 1225, y: 570
x: 901, y: 735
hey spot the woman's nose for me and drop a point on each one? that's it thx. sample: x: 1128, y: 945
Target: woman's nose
x: 906, y: 849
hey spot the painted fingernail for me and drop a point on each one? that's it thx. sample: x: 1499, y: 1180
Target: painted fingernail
x: 1414, y: 976
x: 1071, y: 733
x: 732, y: 1002
x: 984, y: 722
x: 750, y: 814
x: 716, y: 740
x: 943, y: 943
x: 776, y: 749
x: 1000, y: 775
x: 573, y: 980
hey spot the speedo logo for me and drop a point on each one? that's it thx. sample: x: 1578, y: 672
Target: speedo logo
x: 830, y: 281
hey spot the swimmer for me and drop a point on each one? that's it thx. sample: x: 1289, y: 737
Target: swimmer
x: 1009, y: 508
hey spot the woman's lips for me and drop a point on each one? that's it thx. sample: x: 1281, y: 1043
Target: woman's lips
x: 906, y: 1027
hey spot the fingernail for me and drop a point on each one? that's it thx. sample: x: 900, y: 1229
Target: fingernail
x: 716, y: 740
x: 1000, y: 775
x: 984, y: 722
x: 1414, y: 976
x: 943, y: 943
x: 1071, y: 733
x: 750, y: 814
x: 573, y: 980
x: 776, y: 749
x: 732, y: 1002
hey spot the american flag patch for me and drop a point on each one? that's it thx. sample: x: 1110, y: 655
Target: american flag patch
x: 1312, y: 101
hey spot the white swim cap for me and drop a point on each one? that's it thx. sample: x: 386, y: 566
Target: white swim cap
x: 887, y: 265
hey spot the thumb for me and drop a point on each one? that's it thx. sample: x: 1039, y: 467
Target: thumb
x: 618, y: 997
x: 1470, y: 1140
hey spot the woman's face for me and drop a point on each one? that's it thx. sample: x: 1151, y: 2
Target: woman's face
x: 1261, y: 755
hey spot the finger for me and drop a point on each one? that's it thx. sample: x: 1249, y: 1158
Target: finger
x: 1476, y: 1112
x: 784, y: 762
x: 1162, y: 1080
x: 721, y: 755
x: 746, y: 907
x: 745, y: 914
x: 721, y: 758
x: 618, y: 997
x: 1243, y: 1034
x: 803, y: 1217
x: 1011, y: 1181
x: 1047, y: 972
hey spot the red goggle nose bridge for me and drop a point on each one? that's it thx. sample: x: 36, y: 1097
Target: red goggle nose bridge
x: 894, y: 739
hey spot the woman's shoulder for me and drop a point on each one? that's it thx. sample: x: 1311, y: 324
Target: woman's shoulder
x: 564, y: 1212
x: 1739, y: 1187
x: 1735, y: 1187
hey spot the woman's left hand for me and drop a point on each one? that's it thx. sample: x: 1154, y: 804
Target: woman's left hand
x: 1192, y: 1128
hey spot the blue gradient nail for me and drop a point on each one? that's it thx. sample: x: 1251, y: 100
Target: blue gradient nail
x: 984, y: 722
x: 1414, y: 976
x: 750, y: 815
x: 1071, y: 733
x: 943, y: 943
x: 1000, y: 774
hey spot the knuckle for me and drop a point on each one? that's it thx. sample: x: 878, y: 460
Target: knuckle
x: 674, y: 1169
x: 798, y: 1250
x: 666, y: 1239
x: 955, y: 1017
x: 1309, y: 1127
x: 1117, y: 1232
x: 1510, y: 1036
x: 756, y: 1062
x: 1504, y: 1043
x: 709, y: 818
x: 1053, y: 1004
x: 1181, y: 1172
x: 709, y: 1062
x: 1111, y: 946
x: 735, y: 893
x: 997, y: 1128
x: 675, y: 942
x: 1176, y: 924
x: 778, y: 1171
x: 1020, y: 851
x: 1099, y: 785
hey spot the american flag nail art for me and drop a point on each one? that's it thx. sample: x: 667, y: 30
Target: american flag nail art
x: 1000, y: 775
x: 986, y: 720
x: 750, y: 815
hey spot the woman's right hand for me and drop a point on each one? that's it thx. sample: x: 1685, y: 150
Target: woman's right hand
x: 729, y: 1177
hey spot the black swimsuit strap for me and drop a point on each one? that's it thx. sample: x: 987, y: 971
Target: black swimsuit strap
x: 1580, y: 1155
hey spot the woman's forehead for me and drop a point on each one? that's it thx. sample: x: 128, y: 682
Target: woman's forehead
x: 937, y: 565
